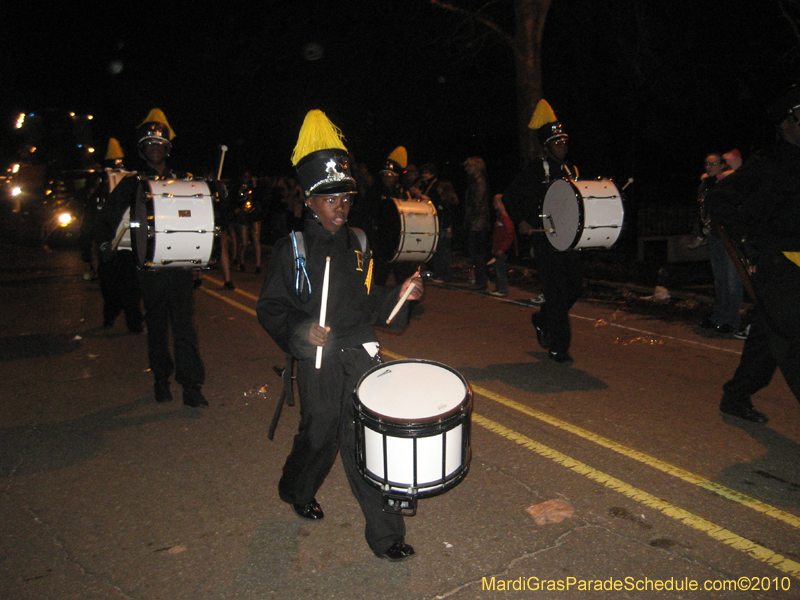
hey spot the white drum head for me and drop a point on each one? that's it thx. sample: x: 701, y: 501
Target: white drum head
x: 561, y: 213
x: 412, y: 391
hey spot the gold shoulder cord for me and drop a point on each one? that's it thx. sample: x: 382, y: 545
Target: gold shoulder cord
x: 368, y: 281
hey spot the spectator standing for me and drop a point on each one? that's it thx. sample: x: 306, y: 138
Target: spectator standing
x: 503, y: 238
x: 476, y: 218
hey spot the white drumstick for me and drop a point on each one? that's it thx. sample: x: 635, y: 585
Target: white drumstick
x: 400, y: 302
x: 323, y: 309
x: 224, y: 149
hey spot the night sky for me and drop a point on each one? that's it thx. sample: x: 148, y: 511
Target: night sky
x: 645, y: 89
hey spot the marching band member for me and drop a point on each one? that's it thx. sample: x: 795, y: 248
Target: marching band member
x: 289, y: 308
x: 560, y: 273
x: 167, y: 293
x: 759, y: 207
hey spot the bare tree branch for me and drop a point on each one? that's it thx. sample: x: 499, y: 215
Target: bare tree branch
x: 475, y: 16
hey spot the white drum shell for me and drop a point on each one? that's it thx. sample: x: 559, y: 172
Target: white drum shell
x: 413, y: 427
x: 175, y: 218
x: 582, y: 214
x: 419, y: 231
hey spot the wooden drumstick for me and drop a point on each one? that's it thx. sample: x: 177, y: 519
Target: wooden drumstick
x: 403, y: 298
x: 119, y: 237
x: 224, y: 149
x: 323, y: 309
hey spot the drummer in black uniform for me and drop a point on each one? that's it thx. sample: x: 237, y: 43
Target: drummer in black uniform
x: 289, y: 309
x: 560, y: 273
x: 167, y: 292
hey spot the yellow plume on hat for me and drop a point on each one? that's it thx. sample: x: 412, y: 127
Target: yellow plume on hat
x: 157, y: 115
x: 542, y: 115
x: 114, y: 151
x: 400, y: 156
x: 317, y: 133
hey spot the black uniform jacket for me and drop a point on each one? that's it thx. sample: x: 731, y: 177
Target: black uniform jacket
x: 351, y: 310
x: 525, y: 194
x: 759, y: 204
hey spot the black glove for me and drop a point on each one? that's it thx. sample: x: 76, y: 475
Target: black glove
x: 107, y: 253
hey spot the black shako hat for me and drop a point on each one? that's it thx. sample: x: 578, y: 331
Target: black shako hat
x: 326, y: 172
x: 321, y: 159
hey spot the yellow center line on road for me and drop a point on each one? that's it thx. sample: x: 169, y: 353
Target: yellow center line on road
x: 225, y: 298
x: 220, y: 284
x: 641, y: 457
x: 714, y: 531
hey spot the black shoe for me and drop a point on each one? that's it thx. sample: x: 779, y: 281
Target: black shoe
x: 561, y: 357
x: 707, y: 324
x: 311, y: 511
x: 748, y: 413
x: 257, y: 271
x: 192, y: 396
x: 162, y: 391
x: 541, y: 335
x: 198, y: 283
x: 228, y: 285
x: 726, y: 329
x: 397, y: 552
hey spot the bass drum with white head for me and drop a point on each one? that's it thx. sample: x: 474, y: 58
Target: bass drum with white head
x: 580, y: 214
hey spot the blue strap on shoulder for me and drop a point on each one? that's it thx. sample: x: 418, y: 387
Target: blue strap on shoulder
x: 300, y: 274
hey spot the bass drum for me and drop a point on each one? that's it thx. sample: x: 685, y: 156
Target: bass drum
x: 172, y: 224
x: 578, y: 214
x: 414, y: 227
x: 412, y: 430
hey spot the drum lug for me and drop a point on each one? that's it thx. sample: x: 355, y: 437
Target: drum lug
x: 400, y: 504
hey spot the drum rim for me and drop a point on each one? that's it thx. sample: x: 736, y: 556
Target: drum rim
x: 464, y: 405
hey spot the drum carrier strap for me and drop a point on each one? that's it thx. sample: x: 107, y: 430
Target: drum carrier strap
x: 301, y: 279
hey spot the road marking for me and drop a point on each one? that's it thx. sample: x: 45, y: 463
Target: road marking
x: 661, y: 335
x: 716, y: 532
x: 221, y: 283
x: 651, y: 461
x: 693, y: 521
x: 230, y: 301
x: 646, y: 459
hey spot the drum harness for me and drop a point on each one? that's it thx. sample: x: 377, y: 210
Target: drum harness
x: 301, y: 278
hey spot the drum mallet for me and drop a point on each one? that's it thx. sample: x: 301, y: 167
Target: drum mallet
x: 630, y: 181
x: 224, y: 149
x: 323, y: 309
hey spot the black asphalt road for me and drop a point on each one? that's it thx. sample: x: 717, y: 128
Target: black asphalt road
x: 107, y: 495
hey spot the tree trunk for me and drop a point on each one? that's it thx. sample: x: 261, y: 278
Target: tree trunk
x: 530, y: 16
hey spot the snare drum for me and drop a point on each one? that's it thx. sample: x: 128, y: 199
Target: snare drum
x: 173, y: 224
x: 412, y: 430
x: 415, y: 228
x: 582, y: 214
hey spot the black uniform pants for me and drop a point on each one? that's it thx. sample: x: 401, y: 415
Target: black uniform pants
x: 326, y: 424
x: 561, y: 277
x: 169, y: 305
x: 774, y: 339
x: 120, y: 288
